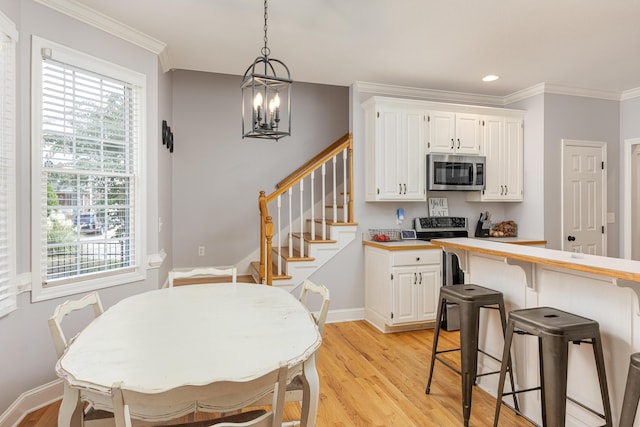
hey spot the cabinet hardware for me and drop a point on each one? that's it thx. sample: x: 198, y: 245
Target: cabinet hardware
x: 602, y: 165
x: 417, y: 258
x: 420, y: 283
x: 458, y: 143
x: 415, y: 278
x: 452, y: 143
x: 391, y: 276
x: 405, y: 188
x: 378, y: 114
x: 506, y: 190
x: 400, y: 186
x: 603, y: 229
x: 392, y: 314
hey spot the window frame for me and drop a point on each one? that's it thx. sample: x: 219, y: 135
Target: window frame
x: 78, y: 284
x: 8, y: 295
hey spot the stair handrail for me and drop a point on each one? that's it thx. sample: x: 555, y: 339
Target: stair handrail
x: 266, y: 222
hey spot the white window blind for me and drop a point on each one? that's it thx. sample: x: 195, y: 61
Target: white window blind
x: 8, y: 288
x: 89, y: 144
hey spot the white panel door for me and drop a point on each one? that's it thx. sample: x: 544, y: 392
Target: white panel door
x: 583, y: 197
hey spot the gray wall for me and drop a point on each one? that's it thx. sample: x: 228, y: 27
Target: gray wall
x: 218, y: 175
x: 581, y: 118
x: 27, y: 357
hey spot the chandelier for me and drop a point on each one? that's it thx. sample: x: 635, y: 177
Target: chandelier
x: 266, y: 96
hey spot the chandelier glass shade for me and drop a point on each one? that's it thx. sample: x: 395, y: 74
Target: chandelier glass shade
x: 266, y: 96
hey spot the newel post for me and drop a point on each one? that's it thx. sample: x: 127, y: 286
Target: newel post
x: 269, y: 237
x: 262, y: 206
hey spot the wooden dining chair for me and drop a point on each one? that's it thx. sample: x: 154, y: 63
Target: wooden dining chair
x: 222, y: 396
x: 91, y: 416
x: 201, y: 274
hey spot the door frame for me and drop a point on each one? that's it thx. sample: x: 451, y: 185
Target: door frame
x: 629, y: 146
x: 603, y: 151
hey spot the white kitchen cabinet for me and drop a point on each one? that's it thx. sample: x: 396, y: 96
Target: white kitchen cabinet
x: 454, y: 133
x: 503, y: 147
x: 395, y: 136
x: 401, y: 287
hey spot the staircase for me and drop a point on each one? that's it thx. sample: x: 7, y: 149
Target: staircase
x: 308, y: 219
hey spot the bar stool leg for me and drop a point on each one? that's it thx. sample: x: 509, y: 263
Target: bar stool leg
x: 555, y: 359
x: 434, y: 347
x: 506, y: 361
x: 469, y: 318
x: 503, y: 321
x: 602, y: 378
x: 631, y: 397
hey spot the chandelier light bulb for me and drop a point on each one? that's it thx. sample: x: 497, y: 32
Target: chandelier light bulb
x: 257, y: 102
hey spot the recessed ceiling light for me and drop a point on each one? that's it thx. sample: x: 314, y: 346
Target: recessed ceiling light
x: 490, y: 78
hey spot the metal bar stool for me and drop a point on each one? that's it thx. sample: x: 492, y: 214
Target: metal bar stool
x: 555, y: 329
x: 631, y: 392
x: 470, y: 299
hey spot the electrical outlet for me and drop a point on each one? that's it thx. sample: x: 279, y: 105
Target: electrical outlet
x: 200, y: 250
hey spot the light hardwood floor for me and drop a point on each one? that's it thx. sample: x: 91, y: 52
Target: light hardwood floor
x: 372, y: 379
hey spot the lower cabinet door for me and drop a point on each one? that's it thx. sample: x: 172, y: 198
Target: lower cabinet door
x: 405, y: 289
x: 428, y: 288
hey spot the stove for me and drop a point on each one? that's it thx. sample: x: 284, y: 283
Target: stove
x: 440, y: 227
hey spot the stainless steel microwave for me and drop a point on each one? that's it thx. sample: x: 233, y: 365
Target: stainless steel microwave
x: 450, y: 172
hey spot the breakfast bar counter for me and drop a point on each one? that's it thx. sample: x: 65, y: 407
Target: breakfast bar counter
x: 600, y: 288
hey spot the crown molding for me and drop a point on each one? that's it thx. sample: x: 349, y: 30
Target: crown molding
x: 430, y: 94
x: 587, y: 93
x: 538, y: 89
x: 630, y: 94
x: 116, y: 28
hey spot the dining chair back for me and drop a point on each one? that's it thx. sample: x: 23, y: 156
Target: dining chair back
x: 55, y: 322
x: 203, y: 273
x: 222, y: 396
x: 309, y: 287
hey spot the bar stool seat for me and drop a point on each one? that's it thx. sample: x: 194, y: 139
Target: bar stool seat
x: 555, y: 329
x: 631, y: 392
x: 470, y: 299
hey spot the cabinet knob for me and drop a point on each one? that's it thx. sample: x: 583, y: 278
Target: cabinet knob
x: 418, y: 258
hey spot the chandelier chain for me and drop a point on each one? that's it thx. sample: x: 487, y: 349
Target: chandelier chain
x: 265, y: 49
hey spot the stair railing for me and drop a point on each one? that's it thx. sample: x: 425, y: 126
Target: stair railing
x: 318, y: 163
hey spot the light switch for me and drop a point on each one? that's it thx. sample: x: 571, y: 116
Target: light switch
x: 611, y: 217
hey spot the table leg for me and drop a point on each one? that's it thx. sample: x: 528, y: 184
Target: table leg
x: 310, y: 393
x: 71, y: 411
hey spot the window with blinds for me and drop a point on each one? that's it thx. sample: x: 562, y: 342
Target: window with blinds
x: 88, y: 152
x: 8, y: 289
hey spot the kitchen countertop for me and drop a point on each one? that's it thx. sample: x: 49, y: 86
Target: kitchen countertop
x: 407, y: 245
x: 616, y: 268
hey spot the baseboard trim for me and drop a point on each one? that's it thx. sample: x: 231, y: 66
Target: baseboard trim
x: 349, y: 315
x: 30, y: 401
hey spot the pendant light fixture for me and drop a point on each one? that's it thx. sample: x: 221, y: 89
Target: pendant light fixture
x: 266, y: 96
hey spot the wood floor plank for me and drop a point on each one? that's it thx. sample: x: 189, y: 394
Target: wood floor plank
x: 372, y: 379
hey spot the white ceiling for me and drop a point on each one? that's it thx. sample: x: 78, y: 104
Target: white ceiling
x: 436, y: 44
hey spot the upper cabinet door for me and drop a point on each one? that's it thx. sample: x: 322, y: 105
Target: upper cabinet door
x: 395, y: 136
x: 468, y: 134
x: 442, y: 129
x: 454, y: 133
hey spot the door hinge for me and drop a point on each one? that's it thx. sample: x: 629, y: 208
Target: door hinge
x: 602, y: 165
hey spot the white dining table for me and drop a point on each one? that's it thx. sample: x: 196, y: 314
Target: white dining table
x: 196, y: 334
